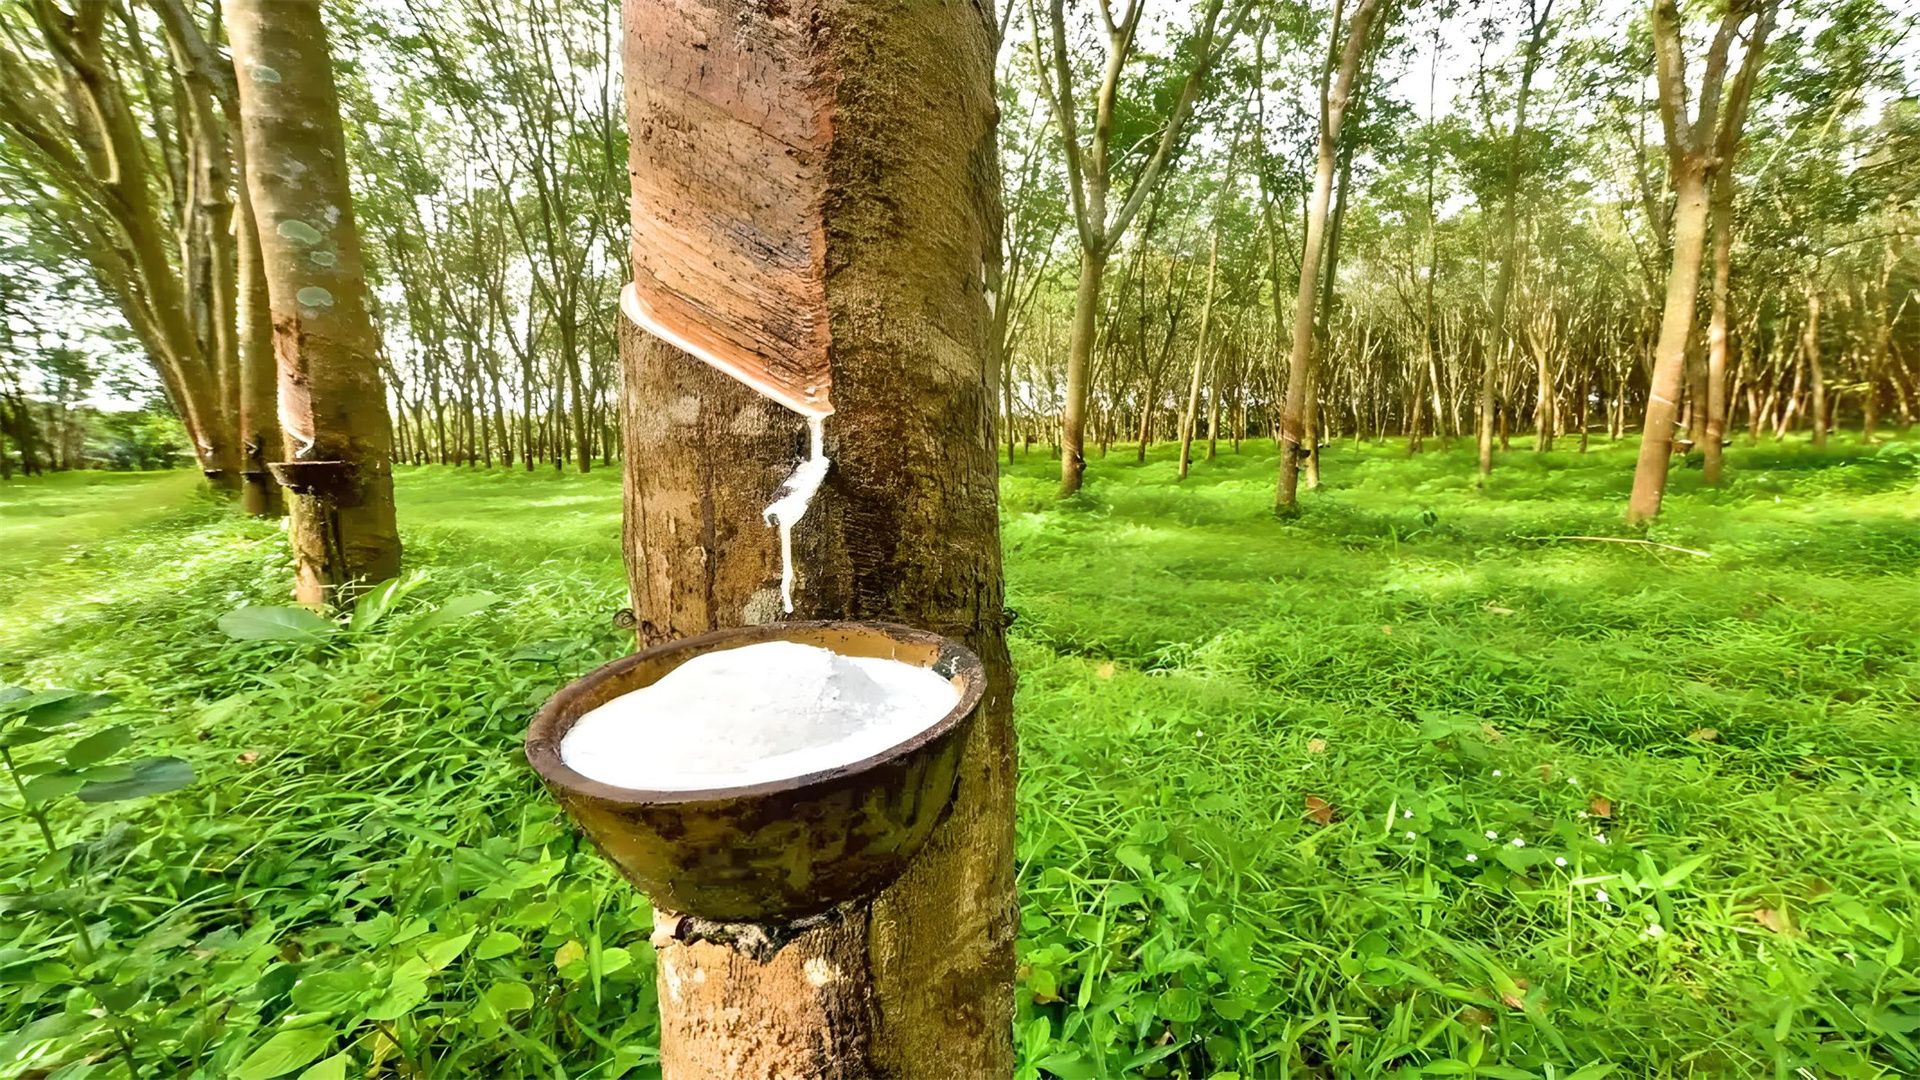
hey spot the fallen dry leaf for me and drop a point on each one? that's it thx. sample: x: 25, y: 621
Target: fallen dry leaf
x: 1320, y: 810
x: 1601, y: 806
x: 1105, y: 670
x: 1476, y: 1016
x: 1386, y: 629
x: 1704, y: 734
x: 1515, y: 1001
x: 1492, y: 733
x: 1773, y: 920
x: 1496, y: 609
x: 248, y: 757
x: 1316, y: 746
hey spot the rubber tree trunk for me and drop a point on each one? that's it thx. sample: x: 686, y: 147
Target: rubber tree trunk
x: 1670, y: 354
x: 333, y: 405
x: 1293, y: 412
x: 1073, y: 418
x: 916, y: 983
x: 1334, y: 102
x: 1816, y: 371
x: 1190, y: 418
x: 1509, y: 244
x: 259, y: 421
x: 1714, y: 435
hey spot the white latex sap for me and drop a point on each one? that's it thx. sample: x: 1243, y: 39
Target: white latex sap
x: 762, y: 712
x: 794, y: 497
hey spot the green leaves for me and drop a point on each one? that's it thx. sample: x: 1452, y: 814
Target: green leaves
x: 495, y: 945
x: 1178, y: 1004
x: 276, y: 624
x: 27, y: 717
x: 284, y: 1052
x: 99, y: 746
x: 340, y: 990
x: 376, y: 606
x: 149, y: 776
x: 87, y: 767
x: 460, y: 607
x: 508, y: 997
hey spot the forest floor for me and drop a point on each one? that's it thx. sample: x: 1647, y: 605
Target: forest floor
x: 1411, y: 785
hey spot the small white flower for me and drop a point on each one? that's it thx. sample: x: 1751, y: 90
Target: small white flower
x: 1600, y: 837
x: 1410, y: 836
x: 1654, y: 930
x: 1471, y: 857
x: 1601, y: 895
x: 1571, y: 782
x: 1496, y: 772
x: 1517, y: 842
x: 1406, y: 813
x: 1559, y: 860
x: 1491, y: 835
x: 1583, y: 813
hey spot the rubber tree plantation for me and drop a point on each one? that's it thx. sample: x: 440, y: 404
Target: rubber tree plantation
x: 1003, y: 539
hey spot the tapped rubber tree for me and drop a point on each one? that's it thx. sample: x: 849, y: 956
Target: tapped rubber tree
x: 836, y: 161
x: 1100, y: 224
x: 1339, y: 77
x: 332, y: 402
x: 71, y: 109
x: 1538, y: 17
x: 1696, y: 143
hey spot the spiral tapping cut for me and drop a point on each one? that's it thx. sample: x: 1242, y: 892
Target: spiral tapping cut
x: 792, y: 500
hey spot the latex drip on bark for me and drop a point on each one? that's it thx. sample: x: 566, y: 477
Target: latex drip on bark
x: 795, y: 496
x: 791, y: 502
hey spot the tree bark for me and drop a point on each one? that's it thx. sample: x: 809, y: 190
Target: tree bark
x: 1670, y: 355
x: 1334, y: 102
x: 918, y: 981
x: 333, y: 403
x: 1509, y: 235
x: 1698, y: 147
x: 1073, y: 418
x: 259, y: 422
x: 1816, y: 372
x: 1714, y: 433
x: 1191, y: 417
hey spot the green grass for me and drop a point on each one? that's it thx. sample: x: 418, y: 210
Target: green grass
x: 1195, y: 676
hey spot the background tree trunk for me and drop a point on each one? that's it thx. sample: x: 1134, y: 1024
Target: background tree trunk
x: 916, y: 983
x: 333, y: 403
x: 1670, y: 357
x: 1336, y: 92
x: 260, y: 437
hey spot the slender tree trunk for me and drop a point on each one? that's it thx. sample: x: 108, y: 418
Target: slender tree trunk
x: 259, y: 422
x: 1714, y: 435
x: 1816, y: 372
x: 333, y: 405
x: 1670, y: 355
x: 1213, y: 408
x: 1293, y: 412
x: 1073, y: 421
x: 582, y: 425
x: 1336, y: 96
x: 1509, y: 237
x: 915, y: 984
x: 1190, y: 419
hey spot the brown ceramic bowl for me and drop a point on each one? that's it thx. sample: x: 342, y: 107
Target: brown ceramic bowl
x: 782, y: 849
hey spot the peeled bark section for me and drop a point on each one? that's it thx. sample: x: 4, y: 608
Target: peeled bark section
x: 332, y: 402
x: 730, y: 118
x: 917, y: 982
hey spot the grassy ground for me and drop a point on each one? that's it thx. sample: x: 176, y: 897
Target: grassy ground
x: 1273, y: 776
